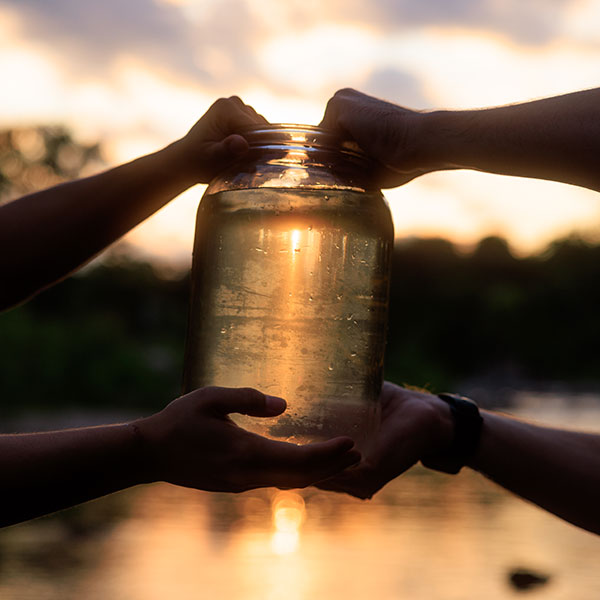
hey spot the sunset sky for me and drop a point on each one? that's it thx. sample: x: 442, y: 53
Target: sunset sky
x: 137, y: 74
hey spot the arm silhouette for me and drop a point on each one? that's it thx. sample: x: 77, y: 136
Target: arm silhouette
x: 192, y: 443
x: 554, y: 138
x: 557, y: 469
x: 47, y: 235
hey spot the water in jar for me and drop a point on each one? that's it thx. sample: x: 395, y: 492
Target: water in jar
x: 289, y: 296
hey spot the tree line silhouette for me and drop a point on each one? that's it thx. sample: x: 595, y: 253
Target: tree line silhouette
x: 113, y: 334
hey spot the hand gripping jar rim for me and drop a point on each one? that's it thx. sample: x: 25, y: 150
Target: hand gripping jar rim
x: 333, y: 162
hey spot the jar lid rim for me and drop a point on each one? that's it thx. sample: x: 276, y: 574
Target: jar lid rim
x: 292, y: 126
x: 322, y: 138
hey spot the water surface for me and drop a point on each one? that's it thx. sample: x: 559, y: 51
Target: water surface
x: 425, y: 536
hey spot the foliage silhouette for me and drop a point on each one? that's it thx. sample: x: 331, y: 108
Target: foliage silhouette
x: 113, y: 334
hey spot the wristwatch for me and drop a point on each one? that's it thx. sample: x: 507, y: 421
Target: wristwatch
x: 467, y: 431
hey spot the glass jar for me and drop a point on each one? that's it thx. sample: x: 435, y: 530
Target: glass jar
x: 290, y: 284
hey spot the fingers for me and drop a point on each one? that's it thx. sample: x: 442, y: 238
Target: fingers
x: 247, y: 401
x: 336, y: 104
x: 231, y: 147
x: 249, y: 110
x: 359, y: 481
x: 290, y: 466
x: 231, y: 115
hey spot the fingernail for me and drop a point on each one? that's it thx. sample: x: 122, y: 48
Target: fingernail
x: 275, y: 405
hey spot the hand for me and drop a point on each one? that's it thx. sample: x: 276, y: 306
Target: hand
x: 193, y: 443
x: 215, y: 140
x: 389, y: 133
x: 414, y: 425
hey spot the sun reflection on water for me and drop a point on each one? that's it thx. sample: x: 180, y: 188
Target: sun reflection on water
x: 288, y: 512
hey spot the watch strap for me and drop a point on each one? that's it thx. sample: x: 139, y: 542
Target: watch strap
x: 467, y: 431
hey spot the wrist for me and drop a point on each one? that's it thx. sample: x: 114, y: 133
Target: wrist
x: 176, y: 163
x: 143, y: 451
x: 467, y: 424
x: 447, y: 139
x: 441, y: 425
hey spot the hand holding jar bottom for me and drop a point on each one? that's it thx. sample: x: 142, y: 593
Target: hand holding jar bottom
x: 554, y: 138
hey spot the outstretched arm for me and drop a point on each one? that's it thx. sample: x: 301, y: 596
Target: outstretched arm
x: 192, y: 442
x: 46, y: 235
x: 556, y: 469
x: 554, y: 138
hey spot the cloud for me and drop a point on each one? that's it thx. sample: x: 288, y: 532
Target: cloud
x: 218, y: 47
x: 526, y: 22
x: 396, y: 86
x: 91, y: 36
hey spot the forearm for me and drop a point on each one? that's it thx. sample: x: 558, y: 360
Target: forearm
x: 47, y: 235
x: 556, y: 469
x: 44, y: 472
x: 555, y: 138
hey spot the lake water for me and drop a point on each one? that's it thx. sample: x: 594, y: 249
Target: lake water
x: 425, y: 536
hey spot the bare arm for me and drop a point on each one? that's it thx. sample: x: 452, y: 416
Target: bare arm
x: 192, y: 443
x: 556, y: 469
x: 555, y: 138
x: 46, y: 235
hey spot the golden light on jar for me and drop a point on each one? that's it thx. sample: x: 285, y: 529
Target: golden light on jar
x: 295, y: 240
x: 288, y: 512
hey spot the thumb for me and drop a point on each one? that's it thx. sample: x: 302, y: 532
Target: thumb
x: 231, y: 147
x: 246, y: 401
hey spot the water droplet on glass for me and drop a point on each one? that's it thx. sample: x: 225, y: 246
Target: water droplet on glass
x: 310, y: 227
x: 352, y: 354
x: 339, y: 296
x: 310, y: 298
x: 223, y: 330
x: 296, y: 249
x: 330, y: 367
